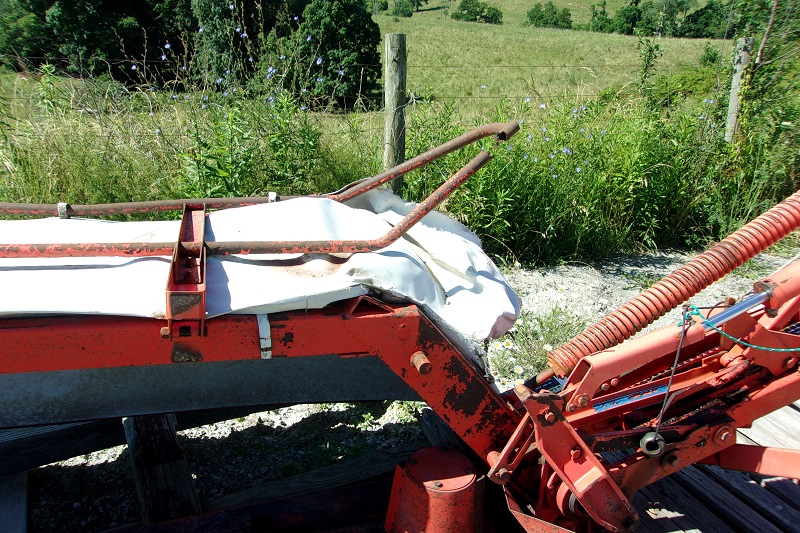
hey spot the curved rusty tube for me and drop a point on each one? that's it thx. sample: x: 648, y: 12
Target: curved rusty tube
x: 254, y: 247
x: 679, y: 286
x: 501, y: 131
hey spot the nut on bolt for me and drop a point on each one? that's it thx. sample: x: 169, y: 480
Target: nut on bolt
x: 421, y: 363
x: 583, y: 400
x: 503, y: 474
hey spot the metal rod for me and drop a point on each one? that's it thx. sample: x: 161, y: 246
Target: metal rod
x: 127, y: 208
x: 251, y: 247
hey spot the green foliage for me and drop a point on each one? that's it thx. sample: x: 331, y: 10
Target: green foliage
x: 344, y: 39
x: 24, y: 33
x: 707, y: 22
x: 477, y: 11
x: 649, y: 52
x: 219, y: 163
x: 402, y: 8
x: 711, y: 55
x: 547, y: 16
x: 601, y: 21
x: 522, y: 352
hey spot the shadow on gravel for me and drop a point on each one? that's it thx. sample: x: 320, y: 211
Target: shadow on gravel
x: 222, y: 460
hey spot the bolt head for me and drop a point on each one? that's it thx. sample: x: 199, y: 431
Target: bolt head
x: 604, y: 387
x: 583, y: 400
x: 550, y: 416
x: 438, y: 484
x: 614, y: 382
x: 576, y: 454
x: 572, y: 408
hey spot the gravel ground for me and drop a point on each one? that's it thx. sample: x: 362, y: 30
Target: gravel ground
x: 95, y: 492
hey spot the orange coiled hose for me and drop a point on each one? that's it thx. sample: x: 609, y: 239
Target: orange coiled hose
x: 682, y: 284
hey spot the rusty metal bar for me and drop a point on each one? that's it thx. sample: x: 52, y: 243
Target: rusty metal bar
x: 65, y: 210
x: 252, y: 247
x: 126, y: 208
x: 502, y: 132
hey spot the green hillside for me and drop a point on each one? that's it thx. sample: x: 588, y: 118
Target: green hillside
x: 477, y: 63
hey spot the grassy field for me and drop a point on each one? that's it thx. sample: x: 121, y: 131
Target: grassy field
x: 475, y: 64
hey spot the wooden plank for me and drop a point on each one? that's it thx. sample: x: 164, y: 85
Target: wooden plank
x: 780, y: 429
x: 345, y: 472
x: 437, y: 431
x: 160, y: 472
x: 727, y: 506
x: 785, y: 489
x: 679, y: 510
x: 14, y: 503
x: 768, y: 505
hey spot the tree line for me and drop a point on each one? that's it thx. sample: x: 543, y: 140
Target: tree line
x: 666, y: 18
x: 318, y: 48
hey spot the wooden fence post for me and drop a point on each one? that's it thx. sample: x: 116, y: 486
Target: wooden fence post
x: 744, y: 47
x: 394, y: 89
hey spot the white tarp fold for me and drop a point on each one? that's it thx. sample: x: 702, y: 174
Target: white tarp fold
x: 438, y: 264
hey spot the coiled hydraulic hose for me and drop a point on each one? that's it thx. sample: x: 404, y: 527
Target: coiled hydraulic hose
x: 679, y: 286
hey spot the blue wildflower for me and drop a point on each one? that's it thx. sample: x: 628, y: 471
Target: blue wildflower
x: 219, y: 80
x: 578, y: 170
x: 308, y: 38
x: 319, y: 61
x: 341, y: 72
x: 243, y: 35
x: 133, y: 67
x: 542, y: 106
x: 163, y: 57
x: 167, y: 46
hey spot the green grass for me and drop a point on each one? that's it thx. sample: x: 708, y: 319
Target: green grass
x: 475, y: 64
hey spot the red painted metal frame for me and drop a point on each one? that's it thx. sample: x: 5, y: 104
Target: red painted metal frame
x: 362, y: 327
x: 186, y: 285
x: 780, y: 462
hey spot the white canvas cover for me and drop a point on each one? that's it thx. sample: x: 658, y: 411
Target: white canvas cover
x: 438, y: 264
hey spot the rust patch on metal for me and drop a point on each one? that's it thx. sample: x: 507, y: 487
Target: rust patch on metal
x: 184, y: 354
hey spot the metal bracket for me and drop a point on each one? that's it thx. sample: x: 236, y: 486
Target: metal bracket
x: 186, y: 286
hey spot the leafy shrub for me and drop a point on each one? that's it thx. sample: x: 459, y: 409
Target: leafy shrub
x: 476, y: 11
x: 342, y: 41
x: 547, y: 16
x: 707, y: 22
x: 402, y: 8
